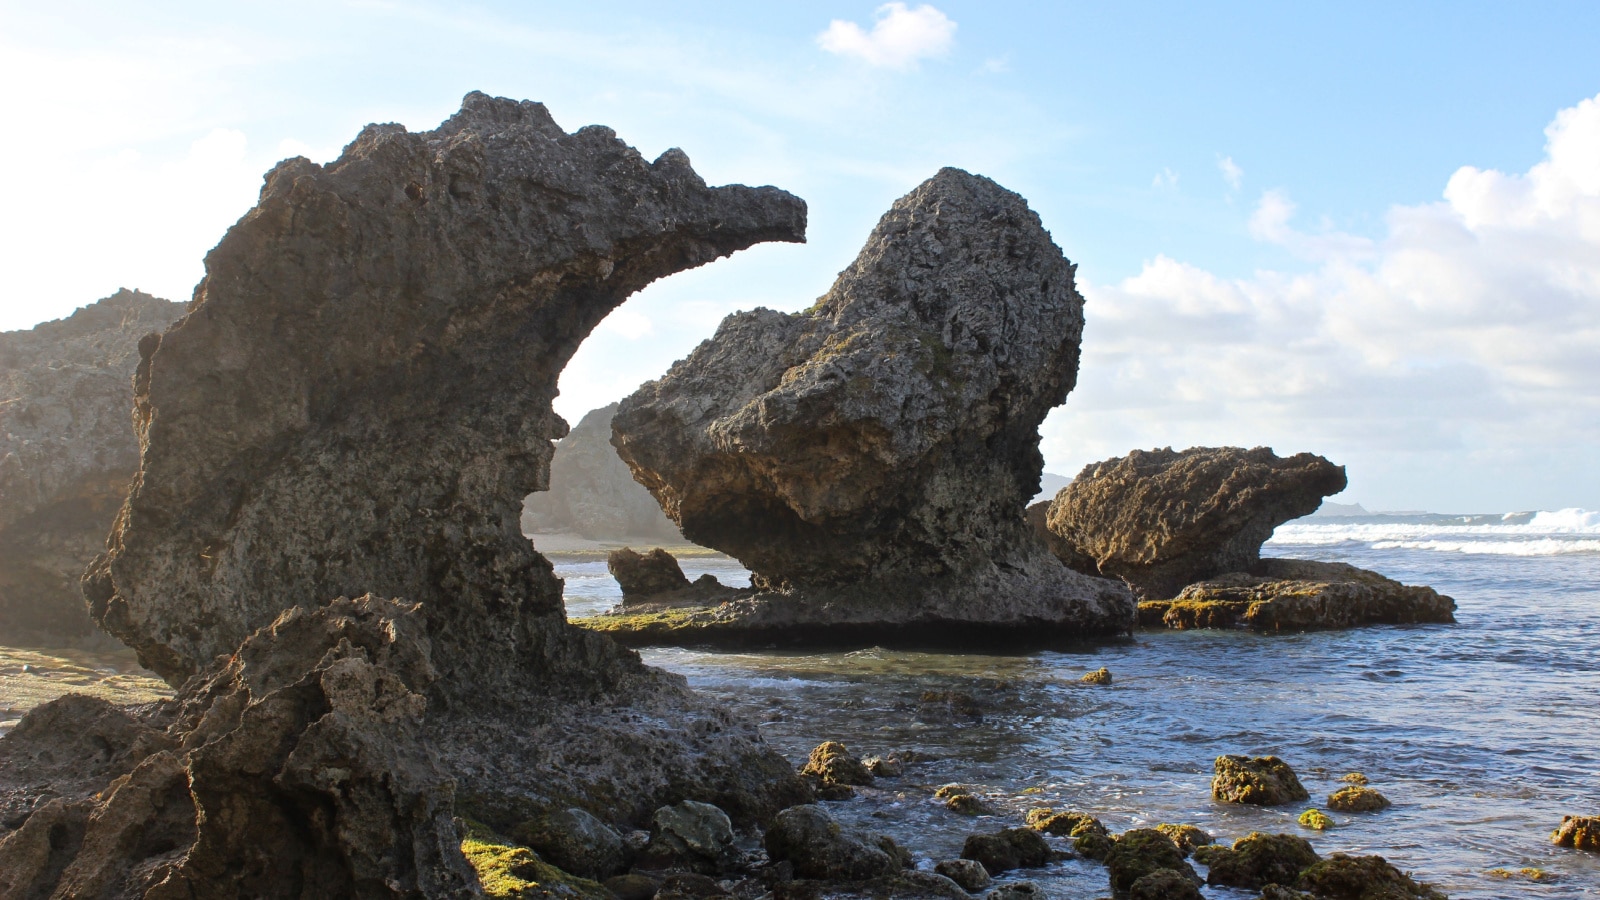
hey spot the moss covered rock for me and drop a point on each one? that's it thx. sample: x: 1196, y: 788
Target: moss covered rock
x: 1165, y: 884
x: 1187, y: 837
x: 816, y: 846
x: 1345, y: 877
x: 1099, y: 676
x: 969, y: 873
x: 968, y: 805
x: 1010, y: 848
x: 1064, y: 824
x: 1578, y: 832
x: 506, y: 869
x: 1260, y: 781
x: 832, y: 762
x: 1258, y: 859
x: 1356, y: 798
x: 1316, y: 820
x: 1140, y: 852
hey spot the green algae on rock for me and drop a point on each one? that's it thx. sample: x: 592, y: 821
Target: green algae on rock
x: 1065, y: 824
x: 1357, y: 798
x: 1315, y: 819
x: 1258, y: 781
x: 1259, y: 859
x: 1100, y: 676
x: 508, y: 870
x: 1345, y: 877
x: 1187, y: 837
x: 1165, y: 884
x: 1297, y: 595
x: 832, y: 763
x: 1578, y: 832
x: 1141, y: 852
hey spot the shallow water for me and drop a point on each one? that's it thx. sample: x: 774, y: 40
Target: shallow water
x: 1483, y: 733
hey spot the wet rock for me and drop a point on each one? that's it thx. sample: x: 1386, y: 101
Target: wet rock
x: 690, y: 886
x: 1163, y: 519
x: 1007, y: 849
x: 1165, y: 884
x: 1100, y: 676
x: 1260, y: 781
x: 694, y: 835
x: 833, y: 763
x: 356, y: 404
x: 1187, y: 837
x: 808, y: 838
x: 870, y: 459
x: 592, y: 493
x: 1017, y: 890
x: 883, y: 766
x: 1095, y: 845
x: 1315, y: 819
x: 1297, y: 595
x: 1357, y: 799
x: 644, y: 574
x: 1354, y: 778
x: 67, y: 453
x: 506, y: 869
x: 632, y: 886
x: 1344, y: 877
x: 1141, y: 852
x: 968, y: 805
x: 577, y: 842
x: 1578, y: 832
x: 969, y: 873
x: 1260, y: 859
x: 1065, y: 824
x: 1279, y: 892
x: 941, y: 706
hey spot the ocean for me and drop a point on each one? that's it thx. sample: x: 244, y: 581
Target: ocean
x: 1483, y: 733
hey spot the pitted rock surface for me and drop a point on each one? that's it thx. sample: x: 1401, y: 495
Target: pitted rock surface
x: 592, y: 493
x: 870, y: 458
x: 1163, y: 519
x: 355, y: 406
x: 1297, y: 595
x: 67, y: 452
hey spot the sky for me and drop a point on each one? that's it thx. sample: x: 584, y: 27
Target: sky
x: 1354, y: 229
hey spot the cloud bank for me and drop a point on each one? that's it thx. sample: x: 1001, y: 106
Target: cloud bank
x: 898, y: 40
x: 1470, y: 328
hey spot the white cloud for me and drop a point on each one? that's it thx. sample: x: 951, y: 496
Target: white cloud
x: 1166, y: 178
x: 898, y: 40
x: 1231, y: 173
x: 1463, y: 344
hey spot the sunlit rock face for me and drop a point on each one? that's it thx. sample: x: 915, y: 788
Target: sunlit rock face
x: 592, y: 493
x: 1163, y: 519
x: 67, y: 453
x: 354, y: 408
x: 870, y: 458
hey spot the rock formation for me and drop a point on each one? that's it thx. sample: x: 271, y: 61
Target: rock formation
x: 656, y: 578
x: 1162, y: 519
x: 592, y: 493
x: 1298, y: 595
x: 67, y: 452
x: 869, y: 459
x: 355, y: 407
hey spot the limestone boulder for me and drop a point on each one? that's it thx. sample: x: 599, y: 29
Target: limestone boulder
x: 1163, y: 519
x: 870, y: 459
x: 1298, y: 595
x: 67, y: 453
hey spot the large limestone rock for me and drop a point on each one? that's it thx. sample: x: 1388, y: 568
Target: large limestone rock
x: 592, y: 493
x: 355, y: 407
x: 870, y: 458
x: 1162, y: 519
x: 67, y: 452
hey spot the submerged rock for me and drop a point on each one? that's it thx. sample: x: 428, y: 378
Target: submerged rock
x: 592, y: 493
x: 1578, y: 832
x: 1258, y: 859
x: 1162, y: 519
x: 356, y: 405
x: 1260, y: 781
x: 1100, y: 676
x: 67, y: 453
x: 870, y: 459
x: 1297, y: 595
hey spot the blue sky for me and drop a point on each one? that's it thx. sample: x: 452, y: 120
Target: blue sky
x: 1276, y: 233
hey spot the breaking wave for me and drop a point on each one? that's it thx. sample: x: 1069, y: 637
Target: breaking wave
x: 1549, y: 533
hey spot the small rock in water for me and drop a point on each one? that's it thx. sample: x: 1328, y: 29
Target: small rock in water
x: 1316, y: 820
x: 1007, y: 849
x: 810, y: 840
x: 1066, y: 824
x: 1354, y: 778
x: 1017, y: 890
x: 1187, y: 837
x: 1578, y: 832
x: 968, y: 805
x: 1165, y: 884
x: 968, y: 873
x: 832, y: 763
x: 1258, y: 859
x: 883, y: 767
x: 1101, y: 675
x: 1260, y: 781
x: 1357, y: 799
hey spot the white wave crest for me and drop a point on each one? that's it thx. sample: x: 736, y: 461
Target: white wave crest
x: 1549, y: 533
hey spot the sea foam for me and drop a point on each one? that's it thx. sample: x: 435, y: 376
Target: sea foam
x: 1545, y: 533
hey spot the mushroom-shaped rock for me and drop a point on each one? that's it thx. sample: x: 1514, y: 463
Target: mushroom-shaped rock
x: 1260, y: 781
x: 67, y: 453
x: 1162, y: 519
x: 355, y: 405
x: 870, y: 459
